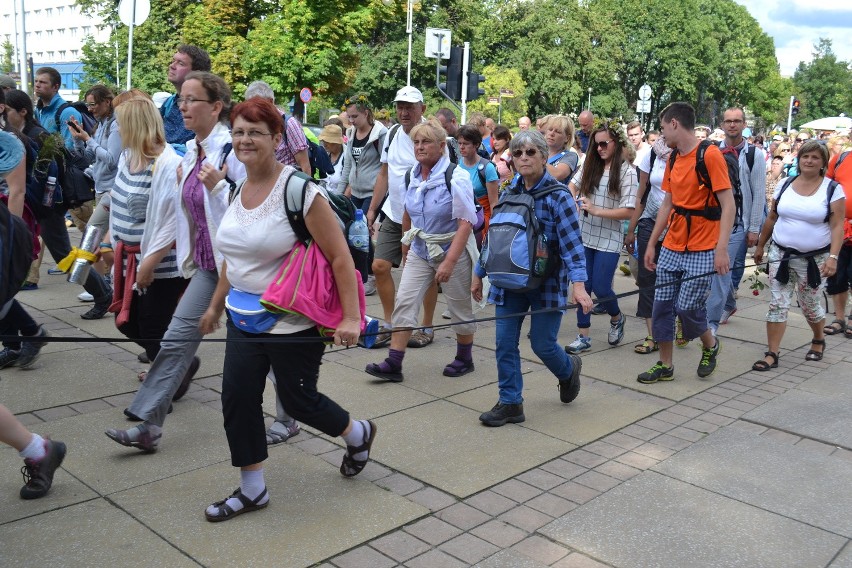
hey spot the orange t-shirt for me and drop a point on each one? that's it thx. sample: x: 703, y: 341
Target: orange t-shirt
x: 687, y: 192
x: 843, y: 176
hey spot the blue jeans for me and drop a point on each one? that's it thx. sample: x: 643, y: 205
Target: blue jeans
x: 721, y: 290
x: 600, y: 268
x: 544, y: 328
x: 737, y: 271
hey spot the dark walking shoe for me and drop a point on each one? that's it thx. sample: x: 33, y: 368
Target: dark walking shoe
x: 502, y: 413
x: 38, y: 476
x: 9, y: 358
x: 658, y: 372
x: 187, y: 378
x: 96, y: 312
x: 145, y: 441
x: 708, y: 359
x: 31, y: 348
x: 570, y: 388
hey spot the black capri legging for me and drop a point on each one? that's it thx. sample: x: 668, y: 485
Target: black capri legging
x: 296, y: 367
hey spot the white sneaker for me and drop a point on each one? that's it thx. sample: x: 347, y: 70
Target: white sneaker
x: 370, y: 286
x: 85, y: 297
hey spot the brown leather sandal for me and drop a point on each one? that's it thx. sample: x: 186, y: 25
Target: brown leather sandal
x: 763, y: 365
x: 813, y: 355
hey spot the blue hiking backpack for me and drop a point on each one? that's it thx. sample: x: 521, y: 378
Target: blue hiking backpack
x: 516, y: 254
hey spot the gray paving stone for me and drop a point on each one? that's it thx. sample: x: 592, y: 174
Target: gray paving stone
x: 499, y: 533
x: 517, y: 490
x: 509, y: 559
x: 469, y: 548
x: 844, y: 559
x: 654, y: 520
x: 832, y: 381
x: 541, y: 549
x: 577, y: 560
x: 433, y: 530
x: 363, y: 556
x: 526, y: 518
x: 400, y: 546
x: 431, y: 498
x: 795, y: 481
x: 816, y: 416
x: 434, y: 559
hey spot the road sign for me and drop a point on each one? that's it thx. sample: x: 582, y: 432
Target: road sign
x: 645, y: 93
x: 305, y: 95
x: 126, y: 9
x: 643, y: 106
x: 438, y: 43
x: 495, y: 101
x: 507, y: 93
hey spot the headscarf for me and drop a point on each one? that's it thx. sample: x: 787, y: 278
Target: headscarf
x: 661, y: 149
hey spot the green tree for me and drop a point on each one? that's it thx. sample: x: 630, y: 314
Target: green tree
x: 823, y: 85
x: 6, y: 60
x: 496, y: 79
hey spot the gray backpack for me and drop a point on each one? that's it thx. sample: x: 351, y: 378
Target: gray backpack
x: 516, y: 253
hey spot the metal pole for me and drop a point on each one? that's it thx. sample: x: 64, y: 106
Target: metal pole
x: 409, y: 29
x: 790, y: 114
x: 465, y: 67
x: 130, y: 44
x: 589, y: 107
x: 500, y: 106
x: 22, y: 53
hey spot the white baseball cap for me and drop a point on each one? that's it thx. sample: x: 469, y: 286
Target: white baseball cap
x: 408, y: 94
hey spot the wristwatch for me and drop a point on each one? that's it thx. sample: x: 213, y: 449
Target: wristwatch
x: 834, y: 256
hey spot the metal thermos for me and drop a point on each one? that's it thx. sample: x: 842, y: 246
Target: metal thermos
x: 90, y: 242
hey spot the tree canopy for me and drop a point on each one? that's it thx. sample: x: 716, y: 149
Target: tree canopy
x: 711, y: 53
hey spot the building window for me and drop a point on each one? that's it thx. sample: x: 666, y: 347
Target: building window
x: 50, y: 55
x: 60, y: 10
x: 48, y: 12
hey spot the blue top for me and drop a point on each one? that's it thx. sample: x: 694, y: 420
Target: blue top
x: 584, y: 140
x: 176, y: 133
x: 557, y: 211
x: 490, y: 172
x: 46, y: 115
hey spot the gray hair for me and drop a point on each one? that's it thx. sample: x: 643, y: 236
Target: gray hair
x: 260, y: 89
x: 526, y: 138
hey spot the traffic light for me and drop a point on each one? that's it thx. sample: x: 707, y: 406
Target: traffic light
x: 795, y: 110
x: 453, y: 72
x: 474, y: 91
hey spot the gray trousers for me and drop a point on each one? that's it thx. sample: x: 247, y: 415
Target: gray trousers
x: 152, y: 400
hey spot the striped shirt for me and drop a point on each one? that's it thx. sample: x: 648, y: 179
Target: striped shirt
x: 128, y: 211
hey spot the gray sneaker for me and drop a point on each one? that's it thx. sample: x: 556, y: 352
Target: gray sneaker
x: 616, y: 330
x: 9, y: 358
x: 31, y: 348
x: 370, y: 286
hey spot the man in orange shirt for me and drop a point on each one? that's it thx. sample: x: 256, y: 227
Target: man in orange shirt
x: 838, y: 285
x: 699, y: 214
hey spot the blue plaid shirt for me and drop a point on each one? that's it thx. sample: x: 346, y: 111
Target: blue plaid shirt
x: 558, y: 213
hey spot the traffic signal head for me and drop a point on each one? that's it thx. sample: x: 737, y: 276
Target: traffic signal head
x: 453, y: 72
x: 474, y: 91
x: 795, y: 110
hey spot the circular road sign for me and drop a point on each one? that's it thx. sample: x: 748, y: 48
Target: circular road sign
x: 645, y: 92
x: 305, y: 95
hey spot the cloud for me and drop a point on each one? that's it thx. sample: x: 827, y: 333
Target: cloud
x: 796, y: 25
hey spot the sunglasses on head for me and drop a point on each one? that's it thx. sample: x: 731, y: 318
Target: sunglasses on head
x: 529, y: 152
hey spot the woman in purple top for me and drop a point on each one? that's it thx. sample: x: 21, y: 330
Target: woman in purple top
x: 437, y: 225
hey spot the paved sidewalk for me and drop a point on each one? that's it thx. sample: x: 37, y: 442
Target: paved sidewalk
x: 740, y: 469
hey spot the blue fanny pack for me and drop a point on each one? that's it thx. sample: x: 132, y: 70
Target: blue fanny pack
x: 247, y: 313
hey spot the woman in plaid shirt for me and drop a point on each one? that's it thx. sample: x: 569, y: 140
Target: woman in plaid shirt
x: 558, y: 213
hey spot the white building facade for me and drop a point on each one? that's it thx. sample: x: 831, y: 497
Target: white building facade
x: 55, y: 33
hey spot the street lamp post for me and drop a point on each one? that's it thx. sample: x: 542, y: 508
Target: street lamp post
x: 409, y: 29
x: 589, y: 107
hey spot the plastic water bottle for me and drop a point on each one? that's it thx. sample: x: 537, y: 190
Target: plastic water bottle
x: 49, y: 190
x: 359, y: 234
x: 542, y: 255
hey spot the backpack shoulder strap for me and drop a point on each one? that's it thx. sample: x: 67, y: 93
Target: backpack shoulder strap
x: 58, y: 116
x: 840, y: 160
x: 480, y: 170
x: 647, y: 189
x: 787, y: 183
x: 392, y: 133
x: 701, y: 165
x: 752, y: 149
x: 832, y: 185
x: 448, y: 176
x: 294, y: 201
x: 408, y: 174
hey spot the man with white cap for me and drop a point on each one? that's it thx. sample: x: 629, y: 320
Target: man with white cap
x: 397, y: 159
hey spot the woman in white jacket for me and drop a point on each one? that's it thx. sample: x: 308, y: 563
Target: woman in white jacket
x: 200, y: 200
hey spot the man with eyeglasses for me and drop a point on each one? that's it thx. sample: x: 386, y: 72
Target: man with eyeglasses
x: 722, y: 303
x: 187, y: 58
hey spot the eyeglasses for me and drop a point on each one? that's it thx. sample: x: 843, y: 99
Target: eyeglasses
x: 801, y: 139
x: 253, y: 134
x: 602, y: 145
x: 90, y: 105
x: 731, y: 121
x: 190, y: 100
x: 529, y: 152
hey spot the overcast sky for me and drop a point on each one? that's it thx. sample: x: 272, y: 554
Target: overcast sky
x: 796, y: 25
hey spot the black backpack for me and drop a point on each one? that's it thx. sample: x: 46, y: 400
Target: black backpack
x: 16, y: 253
x: 321, y: 164
x: 88, y: 122
x: 832, y: 185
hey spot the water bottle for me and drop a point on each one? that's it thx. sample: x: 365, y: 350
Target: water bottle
x: 49, y: 190
x: 359, y: 234
x: 542, y: 255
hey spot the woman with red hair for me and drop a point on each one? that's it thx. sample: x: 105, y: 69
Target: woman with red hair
x: 254, y: 238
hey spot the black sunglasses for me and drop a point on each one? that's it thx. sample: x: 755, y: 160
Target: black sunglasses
x: 529, y: 152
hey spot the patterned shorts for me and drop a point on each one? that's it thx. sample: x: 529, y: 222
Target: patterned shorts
x: 674, y: 266
x: 809, y: 298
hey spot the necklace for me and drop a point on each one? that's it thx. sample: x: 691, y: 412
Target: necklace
x: 811, y: 191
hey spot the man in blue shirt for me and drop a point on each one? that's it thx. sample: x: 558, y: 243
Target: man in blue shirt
x: 47, y: 83
x: 586, y: 120
x: 188, y: 58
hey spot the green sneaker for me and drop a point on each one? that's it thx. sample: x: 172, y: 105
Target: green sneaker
x: 658, y: 372
x: 708, y: 359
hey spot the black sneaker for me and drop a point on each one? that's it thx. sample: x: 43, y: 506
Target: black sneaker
x: 708, y: 359
x: 31, y: 348
x: 569, y: 389
x: 143, y: 358
x: 658, y: 372
x: 9, y: 358
x: 502, y: 413
x: 96, y: 312
x: 38, y: 476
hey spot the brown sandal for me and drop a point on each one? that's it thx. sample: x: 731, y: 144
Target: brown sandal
x: 762, y: 365
x: 813, y: 355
